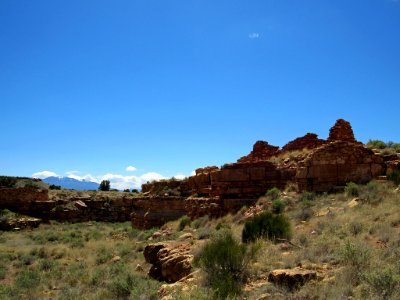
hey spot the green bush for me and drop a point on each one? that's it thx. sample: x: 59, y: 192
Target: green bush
x: 273, y: 193
x: 27, y: 279
x: 183, y: 222
x: 266, y: 225
x: 121, y: 287
x: 278, y: 206
x: 307, y: 197
x: 3, y: 271
x: 8, y: 181
x: 225, y: 262
x: 376, y: 144
x: 352, y: 189
x: 383, y: 283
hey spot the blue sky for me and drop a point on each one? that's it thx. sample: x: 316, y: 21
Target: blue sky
x: 88, y: 88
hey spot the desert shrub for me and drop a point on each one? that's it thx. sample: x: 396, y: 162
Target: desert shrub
x: 266, y: 225
x: 388, y: 151
x: 196, y: 224
x: 27, y: 279
x: 273, y: 193
x: 352, y: 189
x: 306, y: 197
x: 123, y: 249
x: 355, y: 255
x: 395, y: 177
x: 8, y: 181
x: 46, y: 265
x: 383, y: 283
x: 145, y: 234
x: 356, y: 258
x: 3, y: 271
x: 225, y: 262
x: 133, y: 286
x: 204, y: 233
x: 376, y: 144
x: 355, y: 228
x: 278, y: 206
x: 222, y: 226
x: 103, y: 255
x: 183, y: 222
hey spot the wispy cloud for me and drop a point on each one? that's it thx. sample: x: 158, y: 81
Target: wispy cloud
x: 44, y: 174
x: 254, y: 35
x: 130, y: 169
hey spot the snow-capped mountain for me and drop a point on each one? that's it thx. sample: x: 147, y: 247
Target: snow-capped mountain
x: 71, y: 183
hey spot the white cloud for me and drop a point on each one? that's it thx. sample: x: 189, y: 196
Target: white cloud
x: 254, y: 35
x: 130, y: 169
x: 117, y: 181
x: 193, y: 173
x: 44, y: 174
x: 151, y: 176
x: 121, y: 182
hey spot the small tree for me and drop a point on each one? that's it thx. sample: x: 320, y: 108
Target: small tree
x: 104, y: 185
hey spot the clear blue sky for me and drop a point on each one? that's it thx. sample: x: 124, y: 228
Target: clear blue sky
x: 170, y: 86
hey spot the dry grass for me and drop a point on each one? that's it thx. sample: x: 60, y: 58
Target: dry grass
x: 356, y: 252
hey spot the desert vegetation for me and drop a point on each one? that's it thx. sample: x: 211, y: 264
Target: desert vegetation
x: 351, y: 239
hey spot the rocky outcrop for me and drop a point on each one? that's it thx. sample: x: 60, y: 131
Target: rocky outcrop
x: 341, y: 131
x: 292, y: 278
x: 21, y: 199
x: 336, y: 164
x: 309, y: 141
x: 261, y: 151
x: 151, y: 212
x: 13, y: 223
x: 36, y: 203
x: 170, y: 261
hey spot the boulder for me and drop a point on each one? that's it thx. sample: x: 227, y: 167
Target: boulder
x: 170, y: 261
x: 291, y: 278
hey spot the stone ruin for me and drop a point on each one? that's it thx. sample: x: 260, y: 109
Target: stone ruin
x: 311, y: 163
x: 318, y: 166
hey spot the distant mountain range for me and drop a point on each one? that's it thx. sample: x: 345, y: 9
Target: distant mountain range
x: 70, y: 183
